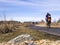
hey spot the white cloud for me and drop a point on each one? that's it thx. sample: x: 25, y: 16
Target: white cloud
x: 40, y: 5
x: 27, y: 18
x: 15, y: 2
x: 46, y: 5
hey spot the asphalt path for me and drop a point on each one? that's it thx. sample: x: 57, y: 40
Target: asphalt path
x: 52, y: 30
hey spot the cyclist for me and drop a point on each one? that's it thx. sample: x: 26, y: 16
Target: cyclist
x: 48, y: 19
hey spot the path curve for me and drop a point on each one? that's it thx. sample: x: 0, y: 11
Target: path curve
x: 52, y: 30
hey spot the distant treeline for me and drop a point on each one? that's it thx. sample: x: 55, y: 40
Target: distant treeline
x: 27, y: 22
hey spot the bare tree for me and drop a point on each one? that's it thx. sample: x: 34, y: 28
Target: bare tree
x: 42, y: 21
x: 58, y: 21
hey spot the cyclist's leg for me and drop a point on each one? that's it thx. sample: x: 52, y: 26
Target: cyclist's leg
x: 49, y: 23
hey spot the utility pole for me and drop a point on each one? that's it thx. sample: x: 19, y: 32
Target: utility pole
x: 4, y: 16
x: 4, y: 22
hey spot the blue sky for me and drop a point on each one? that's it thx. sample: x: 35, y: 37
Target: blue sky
x: 29, y: 10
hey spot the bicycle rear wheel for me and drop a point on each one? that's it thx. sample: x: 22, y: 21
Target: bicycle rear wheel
x: 49, y: 24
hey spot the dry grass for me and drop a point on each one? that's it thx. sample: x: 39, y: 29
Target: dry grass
x: 23, y: 30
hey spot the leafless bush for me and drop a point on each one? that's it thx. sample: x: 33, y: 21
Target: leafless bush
x: 5, y: 28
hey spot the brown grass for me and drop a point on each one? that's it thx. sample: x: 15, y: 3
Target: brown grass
x: 18, y: 30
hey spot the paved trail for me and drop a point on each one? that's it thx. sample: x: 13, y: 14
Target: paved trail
x: 54, y: 31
